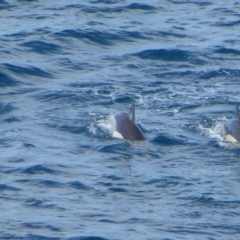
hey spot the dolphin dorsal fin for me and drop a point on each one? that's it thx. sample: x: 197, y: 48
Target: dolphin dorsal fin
x: 237, y: 113
x: 132, y: 112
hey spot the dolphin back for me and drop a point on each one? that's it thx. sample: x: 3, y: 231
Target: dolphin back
x: 127, y: 128
x: 232, y: 127
x: 124, y: 126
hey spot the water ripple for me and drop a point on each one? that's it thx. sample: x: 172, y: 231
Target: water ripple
x: 102, y: 37
x: 64, y: 66
x: 6, y: 108
x: 40, y: 226
x: 39, y: 169
x: 42, y: 47
x: 34, y: 71
x: 87, y: 238
x: 6, y: 80
x: 4, y: 187
x: 228, y: 51
x: 228, y: 23
x: 114, y: 9
x: 166, y: 140
x: 78, y: 185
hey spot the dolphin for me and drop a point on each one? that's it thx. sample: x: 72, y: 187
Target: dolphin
x: 122, y: 125
x: 232, y: 128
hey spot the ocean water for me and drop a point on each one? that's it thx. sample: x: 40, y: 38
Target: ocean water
x: 65, y: 66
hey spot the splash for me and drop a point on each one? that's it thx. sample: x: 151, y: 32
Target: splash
x: 218, y: 133
x: 100, y: 128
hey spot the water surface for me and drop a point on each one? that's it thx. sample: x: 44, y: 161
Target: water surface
x: 65, y: 66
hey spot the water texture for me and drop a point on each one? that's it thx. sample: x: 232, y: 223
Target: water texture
x: 65, y: 65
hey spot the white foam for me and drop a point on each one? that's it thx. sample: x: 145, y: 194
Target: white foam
x: 104, y: 124
x: 218, y: 132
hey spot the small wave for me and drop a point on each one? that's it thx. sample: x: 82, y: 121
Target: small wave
x: 140, y: 6
x: 4, y: 187
x: 82, y: 96
x: 39, y: 169
x: 226, y: 73
x: 39, y: 237
x: 164, y: 182
x: 228, y: 24
x: 28, y: 145
x: 46, y: 183
x: 117, y: 189
x: 210, y: 201
x: 4, y: 5
x: 34, y: 202
x: 56, y: 95
x: 123, y: 98
x: 228, y: 51
x: 72, y: 64
x: 40, y: 226
x: 73, y: 129
x: 87, y: 238
x: 113, y: 177
x: 166, y: 34
x: 172, y: 55
x: 6, y: 108
x: 78, y: 185
x: 70, y: 96
x: 165, y: 55
x: 87, y: 84
x: 6, y: 80
x: 166, y: 140
x: 95, y: 36
x: 104, y: 220
x: 21, y: 71
x: 42, y: 47
x: 113, y: 9
x: 202, y: 2
x: 119, y: 148
x: 12, y: 119
x: 102, y: 37
x: 54, y: 184
x: 28, y: 236
x: 202, y: 200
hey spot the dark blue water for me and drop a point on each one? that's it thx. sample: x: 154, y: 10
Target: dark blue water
x: 65, y: 65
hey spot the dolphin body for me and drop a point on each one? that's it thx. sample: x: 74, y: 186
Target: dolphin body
x: 122, y: 125
x: 232, y: 128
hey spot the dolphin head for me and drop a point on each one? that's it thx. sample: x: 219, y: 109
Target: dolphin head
x: 123, y: 126
x: 232, y: 128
